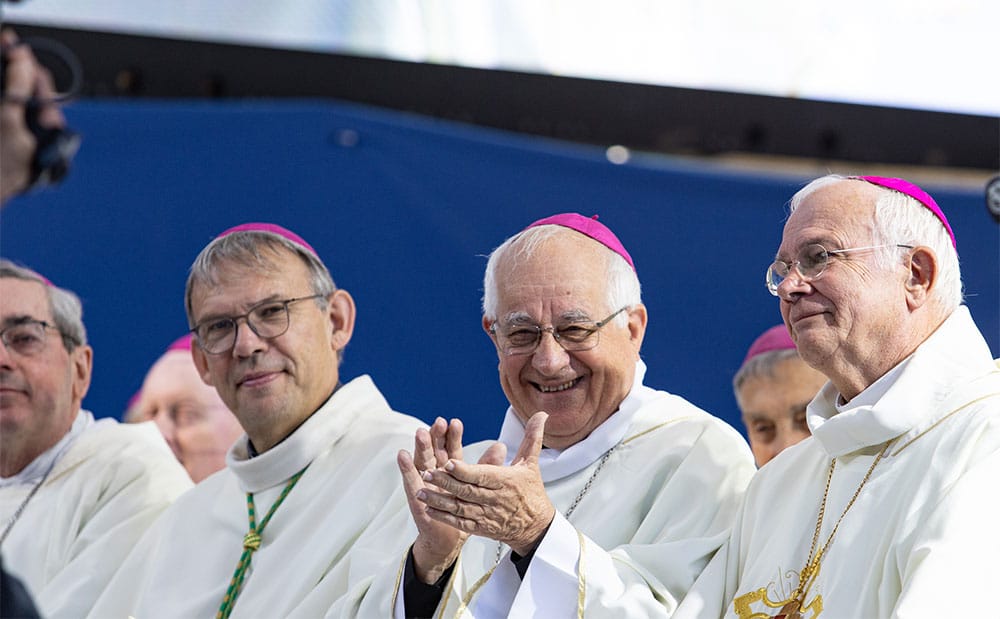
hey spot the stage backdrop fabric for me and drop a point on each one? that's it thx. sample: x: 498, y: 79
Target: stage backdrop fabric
x: 403, y: 209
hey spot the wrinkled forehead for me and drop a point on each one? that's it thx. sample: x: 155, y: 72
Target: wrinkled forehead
x: 564, y: 277
x: 840, y: 214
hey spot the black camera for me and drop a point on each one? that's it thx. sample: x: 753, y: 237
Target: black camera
x: 55, y: 147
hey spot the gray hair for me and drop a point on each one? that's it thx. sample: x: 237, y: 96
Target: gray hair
x: 761, y: 365
x: 902, y: 220
x: 253, y: 249
x: 623, y: 289
x: 67, y: 311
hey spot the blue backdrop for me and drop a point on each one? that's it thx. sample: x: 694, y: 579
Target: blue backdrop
x: 403, y: 209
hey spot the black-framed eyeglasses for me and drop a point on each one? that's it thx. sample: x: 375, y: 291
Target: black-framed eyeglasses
x: 517, y: 339
x: 810, y: 264
x: 26, y: 337
x: 267, y: 320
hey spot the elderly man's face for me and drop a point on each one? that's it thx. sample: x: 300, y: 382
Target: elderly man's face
x: 774, y: 407
x: 272, y: 385
x: 841, y: 321
x: 565, y: 280
x: 39, y: 394
x: 193, y: 419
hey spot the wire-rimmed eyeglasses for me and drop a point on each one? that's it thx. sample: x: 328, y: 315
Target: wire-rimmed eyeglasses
x: 523, y: 339
x: 26, y: 337
x: 811, y: 264
x: 267, y: 320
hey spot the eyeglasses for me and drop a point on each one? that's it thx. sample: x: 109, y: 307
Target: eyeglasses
x: 810, y: 265
x: 573, y: 337
x: 268, y: 320
x: 26, y: 337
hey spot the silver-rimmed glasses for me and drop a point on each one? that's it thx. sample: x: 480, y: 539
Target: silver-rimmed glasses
x: 26, y: 337
x: 268, y: 320
x: 810, y: 264
x: 523, y: 339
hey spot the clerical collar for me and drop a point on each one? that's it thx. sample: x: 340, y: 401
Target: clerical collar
x: 252, y: 451
x: 871, y: 395
x: 37, y: 467
x: 555, y: 464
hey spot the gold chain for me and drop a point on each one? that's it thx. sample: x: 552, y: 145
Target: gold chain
x: 579, y: 496
x: 811, y: 569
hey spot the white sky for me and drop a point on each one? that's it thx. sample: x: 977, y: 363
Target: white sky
x: 924, y: 54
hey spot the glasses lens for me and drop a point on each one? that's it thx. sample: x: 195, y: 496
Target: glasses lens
x: 578, y: 336
x: 217, y: 336
x: 518, y: 340
x: 813, y: 261
x: 269, y: 320
x: 776, y: 273
x: 26, y: 339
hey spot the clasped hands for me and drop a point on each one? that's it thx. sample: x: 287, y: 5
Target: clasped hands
x: 451, y: 499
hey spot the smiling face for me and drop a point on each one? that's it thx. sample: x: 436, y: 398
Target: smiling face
x: 774, y: 406
x: 847, y: 323
x: 565, y: 281
x: 39, y: 394
x: 272, y: 385
x: 192, y: 418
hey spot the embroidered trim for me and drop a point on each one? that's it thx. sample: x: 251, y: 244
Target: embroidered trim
x: 942, y: 420
x: 472, y: 592
x: 399, y: 580
x: 582, y: 590
x: 655, y: 428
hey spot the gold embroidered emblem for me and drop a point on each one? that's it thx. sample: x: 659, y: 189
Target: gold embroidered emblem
x: 744, y: 606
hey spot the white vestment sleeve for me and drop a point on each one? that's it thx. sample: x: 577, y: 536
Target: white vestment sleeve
x: 707, y: 598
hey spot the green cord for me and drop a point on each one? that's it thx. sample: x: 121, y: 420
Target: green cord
x: 251, y: 542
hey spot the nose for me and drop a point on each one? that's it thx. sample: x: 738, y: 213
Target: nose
x: 247, y: 341
x: 549, y: 357
x: 794, y: 285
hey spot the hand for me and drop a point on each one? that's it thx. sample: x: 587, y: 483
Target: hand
x: 26, y: 80
x: 505, y: 503
x: 437, y: 544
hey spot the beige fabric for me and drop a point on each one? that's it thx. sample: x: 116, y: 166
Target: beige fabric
x: 320, y: 541
x: 100, y: 497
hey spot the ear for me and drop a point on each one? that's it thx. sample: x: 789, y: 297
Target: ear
x: 922, y: 275
x: 342, y: 313
x: 637, y: 318
x: 200, y: 359
x: 83, y: 364
x: 487, y: 323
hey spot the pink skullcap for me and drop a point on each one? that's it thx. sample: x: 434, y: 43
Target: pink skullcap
x: 918, y: 194
x: 273, y: 229
x: 590, y: 227
x: 775, y: 338
x: 181, y: 343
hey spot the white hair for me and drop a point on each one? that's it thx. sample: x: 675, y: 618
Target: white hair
x: 902, y: 220
x: 623, y: 288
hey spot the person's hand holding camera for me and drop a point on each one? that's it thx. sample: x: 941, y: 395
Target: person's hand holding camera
x: 26, y: 84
